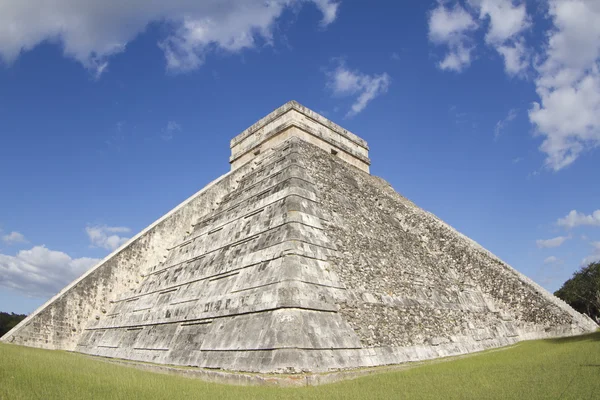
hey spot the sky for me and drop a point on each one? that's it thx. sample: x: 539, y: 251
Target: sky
x: 483, y: 112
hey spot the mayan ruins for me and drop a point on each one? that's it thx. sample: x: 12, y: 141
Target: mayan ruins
x: 297, y: 260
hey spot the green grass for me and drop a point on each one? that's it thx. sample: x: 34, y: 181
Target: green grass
x: 544, y: 369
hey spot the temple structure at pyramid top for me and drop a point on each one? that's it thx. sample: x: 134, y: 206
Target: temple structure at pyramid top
x: 296, y: 260
x: 294, y: 120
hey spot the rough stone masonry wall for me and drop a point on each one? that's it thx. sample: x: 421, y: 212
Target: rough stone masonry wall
x: 248, y: 289
x: 59, y: 323
x: 346, y: 273
x: 413, y: 280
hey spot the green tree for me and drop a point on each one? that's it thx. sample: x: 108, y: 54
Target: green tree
x: 9, y: 321
x: 582, y: 291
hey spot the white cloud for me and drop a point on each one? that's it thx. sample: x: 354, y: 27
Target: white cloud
x: 551, y: 260
x: 450, y: 26
x: 170, y: 130
x: 568, y: 114
x: 106, y: 236
x: 575, y: 218
x: 507, y: 18
x: 41, y: 272
x: 91, y: 31
x: 14, y: 238
x: 329, y: 9
x: 550, y: 243
x: 447, y: 24
x: 516, y: 57
x: 346, y: 82
x: 454, y: 25
x: 457, y: 58
x: 567, y: 68
x: 500, y: 125
x: 507, y: 21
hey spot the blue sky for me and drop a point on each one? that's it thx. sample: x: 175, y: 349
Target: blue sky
x: 485, y: 113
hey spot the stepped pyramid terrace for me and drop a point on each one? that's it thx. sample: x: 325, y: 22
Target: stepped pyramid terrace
x: 297, y: 260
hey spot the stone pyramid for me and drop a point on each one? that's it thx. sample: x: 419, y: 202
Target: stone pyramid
x: 297, y: 260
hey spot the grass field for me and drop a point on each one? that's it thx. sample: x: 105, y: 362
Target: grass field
x: 544, y: 369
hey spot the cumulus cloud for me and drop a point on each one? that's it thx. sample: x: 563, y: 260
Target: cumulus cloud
x: 568, y: 113
x: 500, y: 125
x: 346, y: 82
x: 504, y: 22
x: 91, y: 31
x: 566, y: 72
x: 576, y: 218
x: 450, y: 26
x: 507, y: 21
x: 107, y: 237
x: 551, y: 243
x: 507, y: 18
x: 14, y: 238
x: 516, y: 57
x: 41, y: 272
x: 329, y: 9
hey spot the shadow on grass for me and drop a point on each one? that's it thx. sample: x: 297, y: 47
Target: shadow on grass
x: 573, y: 339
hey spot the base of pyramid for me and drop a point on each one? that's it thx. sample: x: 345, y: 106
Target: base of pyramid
x: 371, y: 361
x: 302, y: 361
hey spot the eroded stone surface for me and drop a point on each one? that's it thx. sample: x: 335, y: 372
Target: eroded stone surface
x: 413, y: 279
x: 297, y: 261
